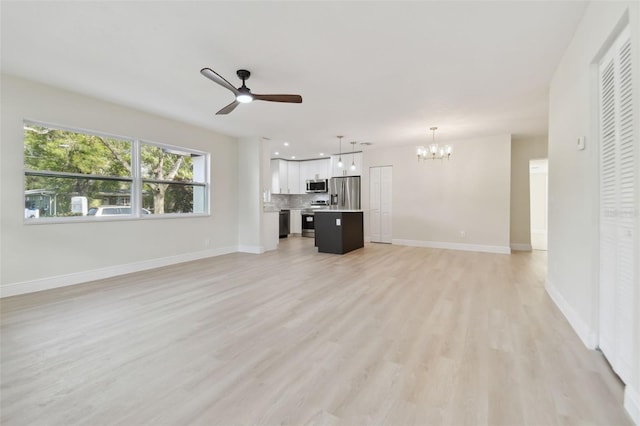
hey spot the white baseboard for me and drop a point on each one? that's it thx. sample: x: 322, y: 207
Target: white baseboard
x: 14, y: 289
x: 520, y: 247
x: 251, y: 249
x: 632, y: 403
x: 453, y: 246
x: 585, y: 333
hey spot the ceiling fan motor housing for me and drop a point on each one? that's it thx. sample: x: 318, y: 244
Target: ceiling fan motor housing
x: 243, y: 74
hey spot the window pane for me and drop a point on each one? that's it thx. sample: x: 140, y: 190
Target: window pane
x: 62, y: 197
x: 66, y: 151
x: 162, y: 198
x: 161, y: 163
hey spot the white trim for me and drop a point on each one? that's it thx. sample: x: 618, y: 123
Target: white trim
x: 251, y: 249
x: 632, y: 404
x: 453, y: 246
x: 14, y: 289
x: 588, y: 336
x: 521, y: 247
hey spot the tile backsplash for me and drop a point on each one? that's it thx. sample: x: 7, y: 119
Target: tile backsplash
x: 296, y: 201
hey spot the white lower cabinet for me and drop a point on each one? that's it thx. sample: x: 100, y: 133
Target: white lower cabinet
x: 295, y: 221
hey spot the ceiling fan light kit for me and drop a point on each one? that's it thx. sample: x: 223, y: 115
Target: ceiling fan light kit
x: 243, y: 94
x: 434, y: 152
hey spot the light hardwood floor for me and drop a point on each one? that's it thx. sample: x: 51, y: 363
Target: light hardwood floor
x: 383, y: 335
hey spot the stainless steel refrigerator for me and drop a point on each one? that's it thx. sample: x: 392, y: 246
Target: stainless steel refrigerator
x: 345, y: 192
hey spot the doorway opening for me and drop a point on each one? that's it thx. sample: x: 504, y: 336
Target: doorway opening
x: 538, y: 194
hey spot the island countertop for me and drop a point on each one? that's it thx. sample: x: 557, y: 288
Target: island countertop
x: 337, y: 211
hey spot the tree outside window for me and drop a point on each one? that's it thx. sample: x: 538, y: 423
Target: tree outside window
x: 71, y: 173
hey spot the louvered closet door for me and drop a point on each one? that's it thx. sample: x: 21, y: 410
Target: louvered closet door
x: 380, y: 187
x: 618, y: 166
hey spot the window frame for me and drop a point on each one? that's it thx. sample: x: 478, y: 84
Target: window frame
x: 135, y: 179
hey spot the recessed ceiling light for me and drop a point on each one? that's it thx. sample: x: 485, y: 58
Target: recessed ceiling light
x: 293, y: 157
x: 286, y: 144
x: 321, y: 154
x: 276, y: 153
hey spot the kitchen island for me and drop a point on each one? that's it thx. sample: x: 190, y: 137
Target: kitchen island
x: 339, y: 231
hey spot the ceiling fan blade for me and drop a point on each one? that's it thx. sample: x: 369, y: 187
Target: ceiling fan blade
x: 294, y: 99
x: 228, y: 108
x: 217, y: 78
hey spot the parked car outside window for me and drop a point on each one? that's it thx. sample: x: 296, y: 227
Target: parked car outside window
x: 113, y: 211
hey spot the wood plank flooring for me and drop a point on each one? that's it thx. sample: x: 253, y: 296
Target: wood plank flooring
x: 382, y: 335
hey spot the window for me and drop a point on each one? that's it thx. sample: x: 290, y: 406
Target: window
x: 71, y: 173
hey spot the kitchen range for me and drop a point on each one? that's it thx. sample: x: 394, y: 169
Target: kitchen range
x: 308, y: 217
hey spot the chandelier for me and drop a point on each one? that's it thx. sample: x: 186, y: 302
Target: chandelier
x: 434, y: 152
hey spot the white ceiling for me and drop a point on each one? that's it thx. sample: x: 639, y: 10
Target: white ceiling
x: 379, y: 72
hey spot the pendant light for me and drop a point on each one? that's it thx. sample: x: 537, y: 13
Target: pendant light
x: 353, y: 155
x: 340, y: 155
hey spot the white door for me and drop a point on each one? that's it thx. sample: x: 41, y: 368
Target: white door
x: 380, y: 196
x: 618, y: 166
x: 386, y: 177
x: 538, y: 188
x: 374, y: 204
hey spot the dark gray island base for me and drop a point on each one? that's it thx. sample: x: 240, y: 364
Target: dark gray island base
x: 339, y: 231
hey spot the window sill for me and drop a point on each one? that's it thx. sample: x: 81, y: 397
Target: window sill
x: 100, y: 219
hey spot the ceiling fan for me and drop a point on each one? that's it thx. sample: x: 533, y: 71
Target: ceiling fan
x: 243, y: 93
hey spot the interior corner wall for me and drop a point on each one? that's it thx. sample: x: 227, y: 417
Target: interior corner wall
x: 461, y: 203
x: 38, y: 256
x: 573, y: 239
x: 522, y: 151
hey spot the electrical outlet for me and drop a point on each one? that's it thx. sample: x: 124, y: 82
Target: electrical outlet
x: 207, y: 242
x: 463, y: 234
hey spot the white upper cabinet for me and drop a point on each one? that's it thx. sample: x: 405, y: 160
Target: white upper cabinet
x: 293, y: 177
x: 315, y: 169
x: 290, y: 177
x: 275, y: 177
x: 323, y: 168
x: 279, y: 177
x: 347, y: 160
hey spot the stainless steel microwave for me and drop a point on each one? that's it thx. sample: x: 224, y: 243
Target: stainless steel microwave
x: 317, y: 185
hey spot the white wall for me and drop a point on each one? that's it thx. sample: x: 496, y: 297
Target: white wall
x: 249, y: 203
x: 523, y: 150
x: 434, y: 201
x: 39, y: 256
x: 573, y: 175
